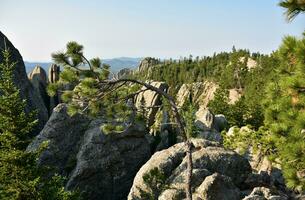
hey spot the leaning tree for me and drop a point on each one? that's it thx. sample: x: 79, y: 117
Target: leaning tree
x: 85, y: 85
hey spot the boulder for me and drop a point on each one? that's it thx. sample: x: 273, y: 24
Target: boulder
x: 210, y: 125
x: 220, y: 122
x: 263, y: 193
x: 215, y: 187
x: 100, y: 165
x: 38, y: 78
x: 150, y: 101
x: 27, y: 91
x: 208, y: 158
x: 205, y: 119
x: 258, y: 180
x: 200, y: 93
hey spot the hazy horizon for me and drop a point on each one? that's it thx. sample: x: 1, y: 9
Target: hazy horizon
x: 143, y: 28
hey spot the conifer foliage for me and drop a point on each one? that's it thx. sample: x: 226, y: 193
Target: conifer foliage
x: 20, y: 177
x: 285, y: 115
x: 293, y: 8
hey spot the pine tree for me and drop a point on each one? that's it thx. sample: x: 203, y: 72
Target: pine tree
x: 19, y: 175
x: 92, y: 89
x: 285, y: 115
x: 13, y: 119
x: 293, y: 8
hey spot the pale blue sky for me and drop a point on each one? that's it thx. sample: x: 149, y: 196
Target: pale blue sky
x: 138, y: 28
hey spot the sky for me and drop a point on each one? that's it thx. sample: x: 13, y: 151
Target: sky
x: 140, y: 28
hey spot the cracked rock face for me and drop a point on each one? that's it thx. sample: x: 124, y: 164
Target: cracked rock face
x: 106, y: 165
x: 213, y: 166
x: 101, y: 166
x: 64, y: 135
x: 201, y: 93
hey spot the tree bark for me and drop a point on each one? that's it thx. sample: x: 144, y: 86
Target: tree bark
x: 188, y: 188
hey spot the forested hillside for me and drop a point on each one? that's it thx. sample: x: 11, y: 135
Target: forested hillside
x: 228, y: 68
x: 239, y: 69
x: 271, y: 102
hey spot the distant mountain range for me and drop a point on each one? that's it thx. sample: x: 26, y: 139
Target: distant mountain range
x: 116, y: 64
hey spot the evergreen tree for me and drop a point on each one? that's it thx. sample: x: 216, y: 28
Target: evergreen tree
x: 284, y: 114
x: 293, y: 8
x: 19, y: 174
x: 92, y: 91
x: 155, y: 182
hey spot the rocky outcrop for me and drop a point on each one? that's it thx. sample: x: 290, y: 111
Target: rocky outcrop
x: 38, y: 74
x: 101, y: 166
x: 123, y: 73
x: 64, y: 135
x: 217, y: 186
x: 216, y: 172
x: 106, y: 165
x: 150, y: 101
x: 38, y: 78
x: 40, y: 81
x: 54, y: 72
x: 147, y: 64
x: 251, y: 64
x: 263, y: 193
x: 200, y: 93
x: 27, y: 91
x: 210, y: 125
x: 234, y: 95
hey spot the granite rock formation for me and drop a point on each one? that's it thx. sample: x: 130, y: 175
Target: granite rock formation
x: 54, y: 71
x: 200, y: 93
x: 101, y: 166
x: 147, y: 64
x: 215, y: 170
x: 38, y: 78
